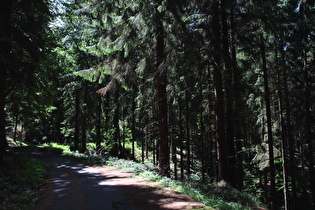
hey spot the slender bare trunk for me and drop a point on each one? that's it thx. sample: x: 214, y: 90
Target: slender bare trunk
x: 288, y: 130
x: 133, y: 123
x: 181, y: 136
x: 269, y: 127
x: 173, y: 138
x: 117, y: 145
x: 284, y: 146
x: 84, y: 115
x: 76, y: 120
x: 16, y: 124
x: 98, y: 124
x: 187, y: 99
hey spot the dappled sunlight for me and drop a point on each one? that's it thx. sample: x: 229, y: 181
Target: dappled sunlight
x: 106, y: 182
x: 150, y: 195
x: 73, y: 185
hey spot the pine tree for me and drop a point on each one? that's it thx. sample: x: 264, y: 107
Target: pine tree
x: 23, y: 32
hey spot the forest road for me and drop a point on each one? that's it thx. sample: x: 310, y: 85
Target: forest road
x: 75, y: 186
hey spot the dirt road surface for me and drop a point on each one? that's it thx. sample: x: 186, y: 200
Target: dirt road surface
x: 75, y: 186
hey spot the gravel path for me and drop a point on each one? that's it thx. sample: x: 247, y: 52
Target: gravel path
x: 75, y: 186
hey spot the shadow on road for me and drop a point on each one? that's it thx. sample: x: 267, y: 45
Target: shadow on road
x: 73, y: 185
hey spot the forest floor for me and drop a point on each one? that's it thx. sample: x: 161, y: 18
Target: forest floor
x: 74, y: 185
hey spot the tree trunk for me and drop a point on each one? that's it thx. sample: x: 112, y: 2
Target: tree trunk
x: 289, y: 135
x: 210, y: 149
x: 187, y: 99
x: 117, y: 145
x: 309, y: 137
x: 16, y: 124
x: 133, y: 123
x: 228, y: 72
x: 181, y: 136
x: 308, y: 122
x: 123, y: 136
x: 83, y: 133
x: 84, y: 116
x: 203, y: 146
x: 76, y: 120
x: 155, y: 158
x: 173, y: 137
x: 264, y: 179
x: 147, y: 140
x: 161, y: 79
x: 142, y: 146
x: 58, y: 120
x: 237, y: 92
x: 284, y: 145
x: 223, y: 165
x: 3, y: 140
x: 269, y: 128
x: 201, y: 136
x: 98, y: 125
x: 5, y: 17
x: 106, y: 110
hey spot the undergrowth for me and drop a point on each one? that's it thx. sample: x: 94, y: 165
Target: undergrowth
x: 21, y: 179
x: 218, y: 196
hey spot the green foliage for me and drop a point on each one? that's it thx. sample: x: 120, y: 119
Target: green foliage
x: 21, y: 182
x: 60, y: 148
x: 16, y: 143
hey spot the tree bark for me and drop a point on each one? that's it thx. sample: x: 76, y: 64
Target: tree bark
x: 84, y: 116
x: 117, y: 146
x: 173, y: 137
x: 228, y: 73
x: 83, y: 132
x: 223, y: 165
x: 161, y: 79
x: 16, y: 124
x: 284, y: 144
x: 309, y: 137
x: 288, y: 134
x: 181, y: 136
x: 133, y: 122
x: 98, y: 124
x: 5, y: 17
x: 308, y: 122
x: 269, y: 126
x: 3, y: 140
x: 237, y: 92
x: 187, y: 116
x: 76, y: 120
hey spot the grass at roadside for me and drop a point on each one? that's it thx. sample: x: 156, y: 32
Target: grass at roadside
x: 214, y: 196
x: 21, y: 179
